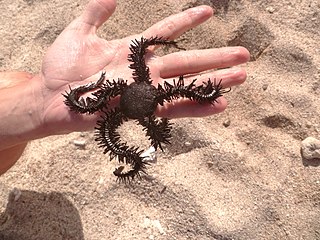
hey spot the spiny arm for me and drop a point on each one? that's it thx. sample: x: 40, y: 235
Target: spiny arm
x: 104, y: 90
x: 138, y: 50
x: 208, y: 92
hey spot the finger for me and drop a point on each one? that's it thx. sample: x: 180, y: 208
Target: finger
x: 186, y: 108
x: 95, y: 14
x: 230, y: 77
x: 175, y: 25
x: 188, y: 62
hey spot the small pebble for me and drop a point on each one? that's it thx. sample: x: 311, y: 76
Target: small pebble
x: 148, y: 223
x: 270, y: 9
x: 308, y: 124
x: 17, y: 193
x: 310, y: 148
x: 157, y: 224
x: 150, y: 155
x: 80, y: 143
x: 226, y: 123
x: 210, y: 164
x: 265, y: 86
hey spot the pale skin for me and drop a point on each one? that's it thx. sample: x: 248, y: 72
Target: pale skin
x: 32, y: 105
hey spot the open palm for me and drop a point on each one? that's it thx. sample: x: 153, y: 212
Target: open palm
x: 78, y: 56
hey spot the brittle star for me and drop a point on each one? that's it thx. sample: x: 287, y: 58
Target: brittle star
x: 138, y: 101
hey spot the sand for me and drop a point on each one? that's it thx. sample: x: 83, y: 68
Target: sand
x: 235, y: 175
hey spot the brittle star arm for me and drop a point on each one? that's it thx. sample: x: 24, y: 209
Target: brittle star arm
x: 138, y: 50
x: 208, y: 92
x: 158, y: 130
x: 109, y: 139
x: 102, y: 92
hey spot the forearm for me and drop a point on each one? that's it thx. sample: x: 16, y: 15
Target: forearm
x: 20, y: 99
x: 9, y: 156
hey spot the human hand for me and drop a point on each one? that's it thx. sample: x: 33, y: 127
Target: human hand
x: 78, y: 56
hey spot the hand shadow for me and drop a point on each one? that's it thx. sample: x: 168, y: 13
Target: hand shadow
x: 31, y: 215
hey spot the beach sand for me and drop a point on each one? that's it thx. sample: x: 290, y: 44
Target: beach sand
x: 234, y: 175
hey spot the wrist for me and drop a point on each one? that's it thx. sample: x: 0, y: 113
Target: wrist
x: 20, y: 119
